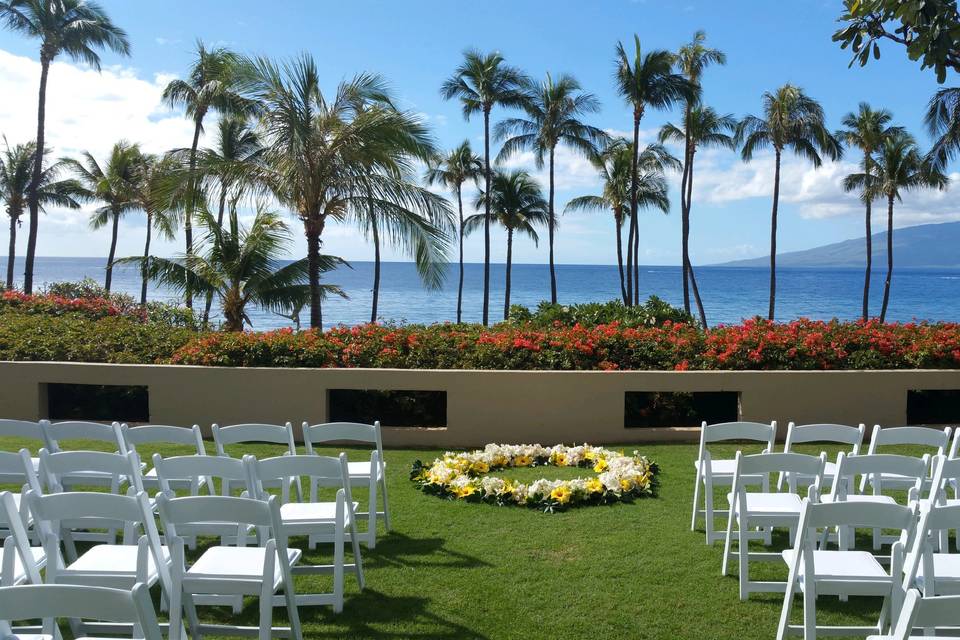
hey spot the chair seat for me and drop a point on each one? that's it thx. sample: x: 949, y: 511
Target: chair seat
x: 359, y: 470
x: 115, y: 559
x: 777, y: 504
x: 300, y: 513
x: 853, y: 566
x: 861, y: 498
x: 946, y: 568
x: 237, y: 563
x: 19, y: 571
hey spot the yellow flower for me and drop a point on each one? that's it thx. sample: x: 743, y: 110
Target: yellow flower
x: 589, y: 455
x: 601, y: 466
x: 594, y: 485
x: 626, y: 484
x: 523, y: 460
x: 464, y: 491
x: 499, y: 460
x: 561, y: 494
x: 480, y: 467
x: 559, y: 459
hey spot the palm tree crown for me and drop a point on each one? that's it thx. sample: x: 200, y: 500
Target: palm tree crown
x: 694, y: 57
x: 943, y: 124
x: 791, y: 120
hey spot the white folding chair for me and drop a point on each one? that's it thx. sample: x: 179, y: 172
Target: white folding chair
x: 262, y: 570
x: 935, y: 439
x: 55, y: 432
x: 718, y: 473
x: 822, y: 433
x: 26, y: 430
x: 817, y: 572
x: 139, y: 559
x: 371, y: 474
x: 876, y: 470
x: 131, y: 607
x: 933, y: 573
x: 254, y: 433
x: 21, y: 562
x: 927, y: 613
x: 765, y: 510
x: 331, y: 522
x: 137, y: 437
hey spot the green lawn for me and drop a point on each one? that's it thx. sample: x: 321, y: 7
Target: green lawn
x: 459, y: 570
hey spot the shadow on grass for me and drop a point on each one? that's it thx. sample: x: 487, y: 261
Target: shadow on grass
x: 399, y: 550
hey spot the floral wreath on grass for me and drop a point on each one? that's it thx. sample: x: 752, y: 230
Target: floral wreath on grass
x: 463, y: 476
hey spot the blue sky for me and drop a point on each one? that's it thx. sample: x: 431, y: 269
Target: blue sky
x: 417, y: 44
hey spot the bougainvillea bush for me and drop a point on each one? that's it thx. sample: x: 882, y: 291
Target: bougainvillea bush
x: 754, y: 344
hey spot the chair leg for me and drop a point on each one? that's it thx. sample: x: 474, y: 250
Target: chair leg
x: 266, y: 612
x: 809, y: 612
x: 338, y: 569
x: 727, y: 543
x: 386, y: 503
x: 696, y: 502
x: 372, y: 515
x: 357, y: 560
x: 708, y: 513
x: 743, y: 553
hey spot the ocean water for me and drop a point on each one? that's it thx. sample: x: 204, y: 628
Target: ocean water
x: 729, y: 294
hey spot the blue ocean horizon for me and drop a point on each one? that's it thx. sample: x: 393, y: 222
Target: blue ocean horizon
x: 730, y: 294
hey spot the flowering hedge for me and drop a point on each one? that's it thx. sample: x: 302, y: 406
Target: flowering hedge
x: 754, y: 344
x: 55, y: 305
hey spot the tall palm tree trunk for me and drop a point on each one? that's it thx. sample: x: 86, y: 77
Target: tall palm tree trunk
x: 376, y: 266
x: 460, y: 240
x: 32, y: 199
x: 506, y: 286
x: 191, y: 201
x: 552, y: 224
x: 685, y: 214
x: 12, y: 250
x: 869, y: 239
x: 623, y: 288
x: 773, y: 237
x: 628, y: 300
x: 886, y: 284
x: 486, y: 218
x: 113, y: 250
x: 313, y: 229
x: 220, y: 211
x: 688, y: 265
x: 633, y: 258
x: 146, y: 260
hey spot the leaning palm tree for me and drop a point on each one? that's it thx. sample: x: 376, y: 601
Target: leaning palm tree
x: 241, y: 266
x: 16, y: 169
x: 866, y: 130
x: 553, y: 112
x: 77, y: 28
x: 211, y: 85
x: 322, y: 158
x: 518, y: 206
x: 645, y: 81
x: 614, y: 165
x: 899, y: 167
x: 114, y: 185
x: 452, y: 170
x: 482, y: 82
x: 692, y: 59
x: 155, y: 193
x: 791, y: 120
x: 702, y: 127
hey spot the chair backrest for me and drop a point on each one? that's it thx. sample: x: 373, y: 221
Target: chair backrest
x: 51, y: 601
x: 729, y: 431
x: 55, y: 467
x: 832, y: 433
x: 324, y: 471
x: 165, y: 434
x: 944, y: 470
x: 933, y: 518
x: 341, y: 432
x: 18, y: 542
x: 54, y: 432
x: 926, y: 613
x: 770, y: 463
x: 12, y: 470
x: 874, y: 466
x: 194, y: 511
x: 249, y: 433
x: 922, y: 436
x: 22, y: 429
x: 195, y: 467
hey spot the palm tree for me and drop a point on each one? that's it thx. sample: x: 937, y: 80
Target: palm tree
x: 614, y: 165
x: 692, y: 59
x: 211, y: 85
x: 152, y: 177
x: 77, y: 28
x: 241, y: 266
x: 898, y: 167
x: 322, y: 158
x: 645, y: 81
x: 943, y: 124
x: 518, y: 205
x: 702, y: 127
x: 791, y: 120
x: 482, y: 82
x: 16, y: 168
x: 452, y: 170
x: 866, y: 130
x: 114, y: 185
x: 553, y: 109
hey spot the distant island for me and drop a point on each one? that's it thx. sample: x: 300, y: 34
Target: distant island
x: 925, y: 245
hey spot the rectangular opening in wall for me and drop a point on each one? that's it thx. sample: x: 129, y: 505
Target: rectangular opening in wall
x: 98, y: 402
x: 392, y: 408
x: 933, y: 406
x: 645, y: 409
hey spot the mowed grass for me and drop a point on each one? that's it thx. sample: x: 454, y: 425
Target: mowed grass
x: 461, y: 570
